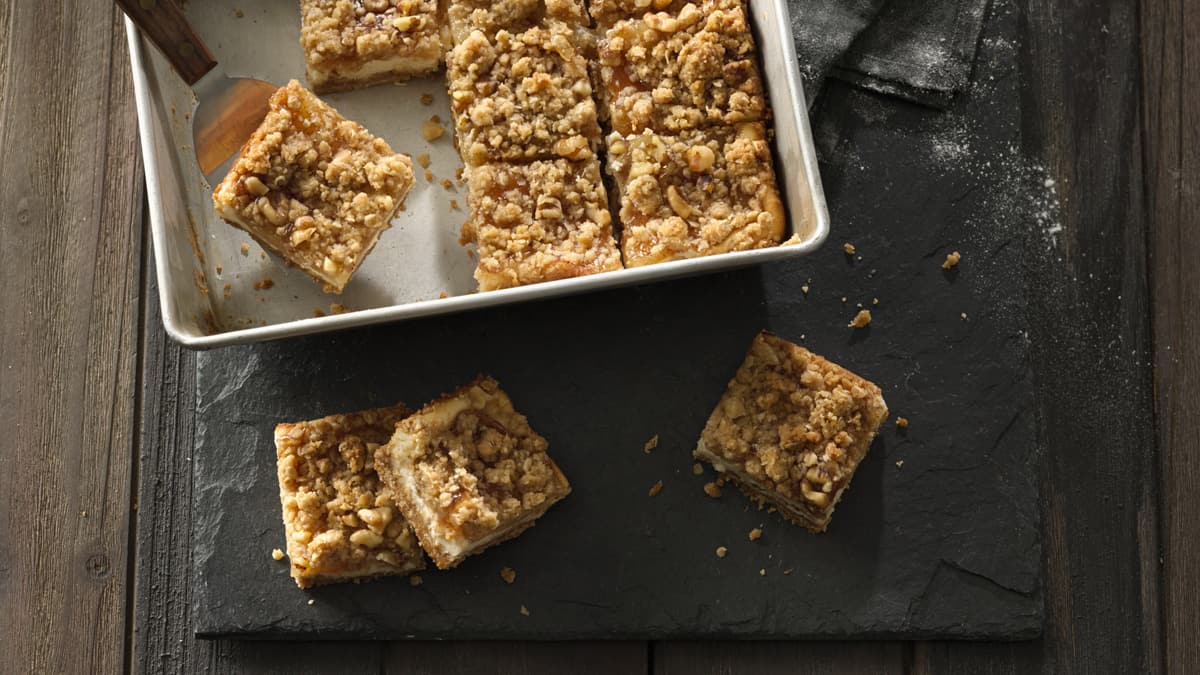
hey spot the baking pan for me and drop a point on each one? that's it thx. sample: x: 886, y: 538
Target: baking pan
x: 218, y: 288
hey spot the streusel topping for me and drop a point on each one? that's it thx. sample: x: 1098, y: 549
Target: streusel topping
x: 482, y: 468
x: 522, y: 96
x: 340, y: 32
x: 339, y: 516
x: 673, y: 71
x: 513, y: 16
x: 794, y: 423
x: 314, y: 187
x: 699, y: 193
x: 539, y: 222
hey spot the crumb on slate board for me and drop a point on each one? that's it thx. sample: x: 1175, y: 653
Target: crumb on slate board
x: 951, y: 260
x: 860, y: 320
x: 650, y: 444
x: 655, y: 489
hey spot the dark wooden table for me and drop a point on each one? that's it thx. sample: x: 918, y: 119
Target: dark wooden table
x: 95, y: 450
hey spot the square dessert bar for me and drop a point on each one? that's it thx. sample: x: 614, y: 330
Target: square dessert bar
x: 518, y: 97
x: 341, y: 520
x: 314, y: 187
x: 698, y: 193
x: 513, y: 16
x: 540, y: 221
x: 357, y: 43
x: 468, y: 472
x: 791, y: 429
x: 674, y: 71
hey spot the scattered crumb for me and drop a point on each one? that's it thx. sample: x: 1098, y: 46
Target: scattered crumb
x: 442, y: 295
x: 423, y: 160
x: 433, y: 129
x: 771, y: 509
x: 804, y: 289
x: 337, y: 308
x: 858, y: 305
x: 874, y: 301
x: 262, y: 255
x: 721, y: 551
x: 698, y: 469
x: 415, y: 580
x: 426, y: 99
x: 755, y: 534
x: 276, y: 554
x: 447, y: 184
x: 787, y: 571
x: 508, y: 574
x: 83, y: 513
x: 239, y: 13
x: 762, y: 572
x: 318, y: 314
x: 458, y: 174
x: 312, y: 602
x: 843, y: 299
x: 899, y: 464
x: 655, y: 489
x: 245, y: 249
x: 220, y: 268
x: 951, y: 260
x: 712, y: 490
x: 902, y: 422
x: 428, y: 176
x: 228, y: 290
x: 453, y: 204
x: 848, y: 248
x: 964, y: 316
x: 650, y: 444
x: 265, y: 284
x: 860, y: 320
x: 524, y: 610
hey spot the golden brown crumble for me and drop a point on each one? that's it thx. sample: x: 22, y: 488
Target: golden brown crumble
x: 432, y: 129
x: 792, y: 428
x: 508, y: 574
x: 538, y: 222
x: 469, y: 471
x: 355, y: 43
x: 712, y: 490
x: 860, y: 320
x: 848, y: 248
x: 522, y: 96
x: 951, y: 260
x: 650, y: 444
x: 697, y: 469
x: 415, y: 580
x: 902, y: 422
x: 276, y: 554
x: 524, y: 610
x: 676, y: 70
x: 245, y: 248
x: 337, y: 308
x: 699, y: 193
x: 426, y: 99
x: 423, y: 160
x: 755, y: 534
x: 762, y: 572
x: 428, y: 176
x: 314, y: 187
x: 655, y: 489
x: 340, y: 520
x: 721, y: 551
x: 513, y: 16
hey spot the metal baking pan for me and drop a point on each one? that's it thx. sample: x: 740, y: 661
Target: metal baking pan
x: 218, y: 288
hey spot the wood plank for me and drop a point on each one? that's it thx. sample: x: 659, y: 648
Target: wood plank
x: 515, y: 658
x: 1171, y: 108
x: 768, y: 658
x: 70, y: 257
x: 1090, y: 347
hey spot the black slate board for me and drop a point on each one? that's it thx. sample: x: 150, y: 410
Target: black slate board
x: 937, y: 537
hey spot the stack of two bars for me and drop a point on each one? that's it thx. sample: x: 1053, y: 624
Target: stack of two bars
x: 363, y: 493
x: 527, y: 128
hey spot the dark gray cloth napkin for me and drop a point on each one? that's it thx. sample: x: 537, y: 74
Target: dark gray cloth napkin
x: 919, y: 50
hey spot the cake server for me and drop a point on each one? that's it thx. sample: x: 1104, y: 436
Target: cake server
x: 229, y: 109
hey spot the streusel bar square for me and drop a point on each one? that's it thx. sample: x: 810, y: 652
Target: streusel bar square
x: 674, y: 71
x: 698, y: 193
x: 518, y: 97
x: 540, y: 221
x: 791, y: 429
x: 468, y: 472
x: 314, y: 187
x: 340, y: 519
x: 357, y: 43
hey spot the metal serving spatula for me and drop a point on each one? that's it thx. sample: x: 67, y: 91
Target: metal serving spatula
x: 230, y: 108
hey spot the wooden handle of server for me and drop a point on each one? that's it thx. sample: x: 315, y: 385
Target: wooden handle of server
x: 163, y: 22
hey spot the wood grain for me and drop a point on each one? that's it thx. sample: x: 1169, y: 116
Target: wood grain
x: 515, y: 658
x: 1171, y: 108
x: 771, y: 658
x: 70, y: 258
